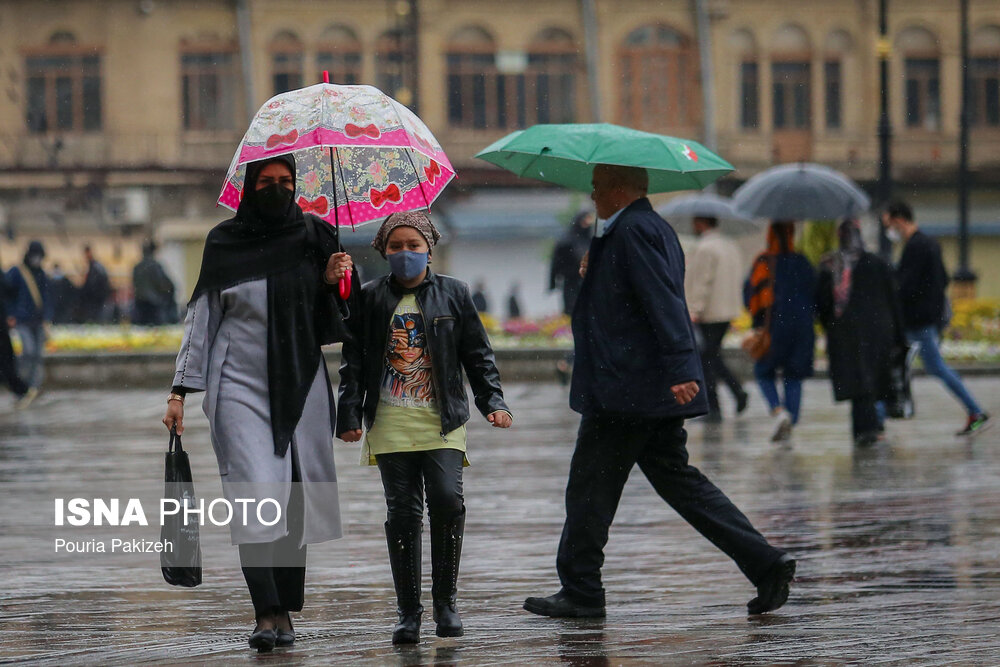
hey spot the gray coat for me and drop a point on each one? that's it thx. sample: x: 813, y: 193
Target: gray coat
x: 224, y: 353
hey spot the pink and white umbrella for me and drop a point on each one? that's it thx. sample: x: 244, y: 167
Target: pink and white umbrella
x: 360, y: 155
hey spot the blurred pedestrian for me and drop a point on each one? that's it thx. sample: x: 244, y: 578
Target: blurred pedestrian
x: 479, y: 298
x: 858, y: 307
x: 154, y: 290
x: 30, y: 312
x: 637, y: 378
x: 95, y: 291
x: 513, y: 303
x: 64, y: 296
x: 261, y: 309
x: 922, y: 280
x: 8, y: 368
x: 401, y: 380
x: 713, y: 284
x: 566, y: 256
x: 780, y: 294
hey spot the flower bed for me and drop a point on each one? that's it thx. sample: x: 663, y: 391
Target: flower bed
x: 973, y: 336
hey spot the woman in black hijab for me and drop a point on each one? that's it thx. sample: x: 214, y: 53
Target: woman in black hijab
x: 858, y: 307
x: 263, y: 306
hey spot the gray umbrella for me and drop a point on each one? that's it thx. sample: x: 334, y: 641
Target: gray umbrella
x: 707, y: 205
x: 801, y: 191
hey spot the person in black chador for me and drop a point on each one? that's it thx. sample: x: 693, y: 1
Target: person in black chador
x: 566, y: 257
x: 154, y: 290
x: 637, y: 378
x: 857, y: 305
x: 93, y: 295
x: 261, y: 309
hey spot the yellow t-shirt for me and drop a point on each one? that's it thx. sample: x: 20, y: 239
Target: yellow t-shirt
x: 408, y: 419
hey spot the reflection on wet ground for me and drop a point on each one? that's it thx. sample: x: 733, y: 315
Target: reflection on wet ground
x: 898, y: 547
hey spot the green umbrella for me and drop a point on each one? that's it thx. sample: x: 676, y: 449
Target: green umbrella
x: 566, y: 155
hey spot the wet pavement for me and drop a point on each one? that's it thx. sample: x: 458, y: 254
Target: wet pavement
x: 898, y: 547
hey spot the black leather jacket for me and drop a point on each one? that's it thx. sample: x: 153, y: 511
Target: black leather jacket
x: 456, y: 338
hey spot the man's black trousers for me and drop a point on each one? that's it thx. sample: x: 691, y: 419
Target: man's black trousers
x: 607, y: 447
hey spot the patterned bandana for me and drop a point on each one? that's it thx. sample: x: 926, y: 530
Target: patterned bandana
x: 416, y: 219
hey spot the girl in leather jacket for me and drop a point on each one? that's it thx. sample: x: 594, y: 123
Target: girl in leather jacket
x: 401, y: 379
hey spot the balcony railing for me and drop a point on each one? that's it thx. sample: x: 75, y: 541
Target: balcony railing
x: 110, y: 150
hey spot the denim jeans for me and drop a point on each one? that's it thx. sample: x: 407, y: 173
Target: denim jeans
x: 29, y: 364
x: 793, y: 393
x: 930, y: 354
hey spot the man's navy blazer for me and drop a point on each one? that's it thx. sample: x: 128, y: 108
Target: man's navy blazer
x: 632, y: 334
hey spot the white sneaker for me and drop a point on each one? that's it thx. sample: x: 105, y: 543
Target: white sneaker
x: 25, y: 401
x: 782, y: 426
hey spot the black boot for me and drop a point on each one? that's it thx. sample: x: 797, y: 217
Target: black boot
x: 403, y: 539
x: 446, y: 552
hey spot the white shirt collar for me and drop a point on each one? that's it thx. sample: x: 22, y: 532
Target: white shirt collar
x: 604, y: 226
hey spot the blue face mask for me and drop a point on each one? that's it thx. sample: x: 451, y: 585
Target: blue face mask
x: 407, y: 265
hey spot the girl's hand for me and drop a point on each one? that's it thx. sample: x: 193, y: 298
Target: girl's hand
x: 351, y: 436
x: 583, y: 264
x: 499, y: 419
x: 174, y: 416
x: 336, y: 267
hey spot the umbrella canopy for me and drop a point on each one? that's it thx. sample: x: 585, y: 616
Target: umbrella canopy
x: 707, y: 205
x: 802, y: 191
x: 566, y: 155
x: 360, y: 155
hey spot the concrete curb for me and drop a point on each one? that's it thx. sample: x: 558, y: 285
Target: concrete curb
x: 122, y: 370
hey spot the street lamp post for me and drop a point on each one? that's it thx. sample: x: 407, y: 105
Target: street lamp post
x: 884, y: 127
x: 965, y: 278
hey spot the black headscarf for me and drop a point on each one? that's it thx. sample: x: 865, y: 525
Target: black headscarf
x: 290, y: 250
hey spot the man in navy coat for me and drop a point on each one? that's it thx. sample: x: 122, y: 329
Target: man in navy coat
x: 637, y: 378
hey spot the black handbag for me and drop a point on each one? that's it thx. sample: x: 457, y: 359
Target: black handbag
x: 900, y: 405
x: 181, y: 564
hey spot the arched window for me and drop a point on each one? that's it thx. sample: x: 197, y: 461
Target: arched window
x: 791, y: 84
x: 922, y: 72
x: 550, y: 93
x: 389, y: 65
x: 62, y: 86
x: 743, y: 45
x: 984, y: 77
x: 659, y: 75
x: 477, y: 93
x: 838, y: 45
x: 209, y: 84
x: 286, y: 62
x: 339, y: 53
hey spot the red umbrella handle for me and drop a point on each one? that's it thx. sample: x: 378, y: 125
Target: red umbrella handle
x: 345, y: 285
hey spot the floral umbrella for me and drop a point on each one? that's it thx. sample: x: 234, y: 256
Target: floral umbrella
x: 360, y: 155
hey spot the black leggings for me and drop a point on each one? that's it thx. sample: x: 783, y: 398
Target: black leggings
x: 404, y: 476
x: 276, y: 571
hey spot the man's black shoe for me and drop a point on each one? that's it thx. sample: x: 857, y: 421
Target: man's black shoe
x: 772, y: 591
x: 741, y: 402
x: 560, y: 606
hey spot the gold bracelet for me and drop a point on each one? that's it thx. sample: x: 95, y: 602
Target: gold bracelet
x: 175, y: 397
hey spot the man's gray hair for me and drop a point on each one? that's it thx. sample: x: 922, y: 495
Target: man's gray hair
x: 635, y: 178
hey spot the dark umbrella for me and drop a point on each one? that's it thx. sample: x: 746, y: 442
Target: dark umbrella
x: 707, y: 205
x: 802, y: 191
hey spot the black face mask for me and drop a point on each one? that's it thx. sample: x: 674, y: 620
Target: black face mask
x: 273, y: 200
